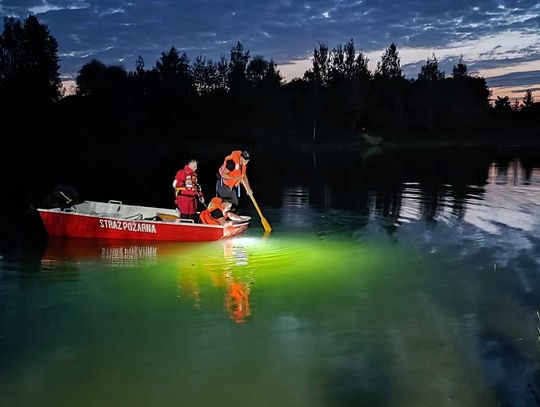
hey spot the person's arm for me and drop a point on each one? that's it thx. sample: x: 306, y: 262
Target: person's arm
x: 221, y: 217
x: 225, y: 222
x: 234, y: 217
x: 225, y: 175
x: 199, y: 192
x: 245, y: 181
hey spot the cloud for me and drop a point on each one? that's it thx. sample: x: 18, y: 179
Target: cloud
x: 523, y: 90
x: 44, y: 7
x: 288, y: 31
x: 515, y: 79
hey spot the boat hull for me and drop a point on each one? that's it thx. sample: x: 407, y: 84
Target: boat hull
x: 68, y: 224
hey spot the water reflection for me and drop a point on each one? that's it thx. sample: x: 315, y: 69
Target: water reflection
x: 230, y: 273
x: 113, y: 252
x: 400, y: 190
x: 380, y: 274
x: 225, y: 263
x: 473, y: 208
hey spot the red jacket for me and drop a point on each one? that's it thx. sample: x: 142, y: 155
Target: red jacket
x: 187, y: 190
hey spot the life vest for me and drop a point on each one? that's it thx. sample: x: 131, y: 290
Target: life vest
x: 206, y: 215
x: 190, y: 184
x: 237, y: 172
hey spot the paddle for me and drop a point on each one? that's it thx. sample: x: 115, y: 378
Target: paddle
x: 265, y: 223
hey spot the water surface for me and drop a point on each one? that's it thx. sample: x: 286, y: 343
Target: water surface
x: 388, y: 281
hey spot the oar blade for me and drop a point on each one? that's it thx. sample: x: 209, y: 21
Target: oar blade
x: 266, y: 225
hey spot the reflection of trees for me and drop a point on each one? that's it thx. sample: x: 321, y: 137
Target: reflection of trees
x: 22, y: 241
x: 514, y: 173
x: 458, y: 205
x: 400, y: 187
x: 388, y: 204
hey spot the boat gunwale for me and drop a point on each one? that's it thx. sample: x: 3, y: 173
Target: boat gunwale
x: 60, y: 211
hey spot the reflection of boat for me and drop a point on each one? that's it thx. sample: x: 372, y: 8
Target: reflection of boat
x: 114, y: 220
x: 111, y: 251
x: 371, y: 152
x: 371, y: 140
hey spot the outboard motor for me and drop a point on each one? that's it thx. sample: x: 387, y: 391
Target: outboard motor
x: 62, y: 196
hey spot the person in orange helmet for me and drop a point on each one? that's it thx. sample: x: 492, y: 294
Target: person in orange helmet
x: 231, y: 174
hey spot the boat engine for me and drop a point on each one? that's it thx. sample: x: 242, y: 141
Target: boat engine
x: 62, y: 196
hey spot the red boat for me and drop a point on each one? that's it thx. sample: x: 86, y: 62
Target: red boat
x: 114, y: 220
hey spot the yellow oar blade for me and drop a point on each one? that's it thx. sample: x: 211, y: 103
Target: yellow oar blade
x: 265, y: 223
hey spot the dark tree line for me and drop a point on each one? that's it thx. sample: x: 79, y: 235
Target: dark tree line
x: 386, y: 102
x: 245, y: 97
x: 524, y: 108
x: 145, y: 118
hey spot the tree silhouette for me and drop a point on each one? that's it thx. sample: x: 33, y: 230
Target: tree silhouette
x: 261, y: 72
x: 205, y: 75
x: 337, y: 68
x: 460, y: 70
x: 175, y: 73
x: 238, y: 67
x: 516, y: 106
x: 29, y: 60
x: 39, y: 60
x: 95, y: 78
x: 429, y: 100
x: 528, y: 100
x: 139, y: 67
x: 429, y: 72
x: 223, y: 70
x: 389, y: 67
x: 503, y: 107
x: 318, y: 74
x: 361, y: 70
x: 10, y: 43
x: 350, y: 59
x: 141, y: 82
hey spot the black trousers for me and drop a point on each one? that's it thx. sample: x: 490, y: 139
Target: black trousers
x: 226, y: 193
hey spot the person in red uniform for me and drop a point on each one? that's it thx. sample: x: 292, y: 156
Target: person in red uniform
x: 231, y: 174
x: 187, y: 190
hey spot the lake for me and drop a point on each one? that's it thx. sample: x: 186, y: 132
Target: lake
x: 390, y: 279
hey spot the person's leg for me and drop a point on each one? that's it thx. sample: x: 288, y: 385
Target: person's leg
x: 234, y: 198
x: 187, y: 207
x: 227, y: 194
